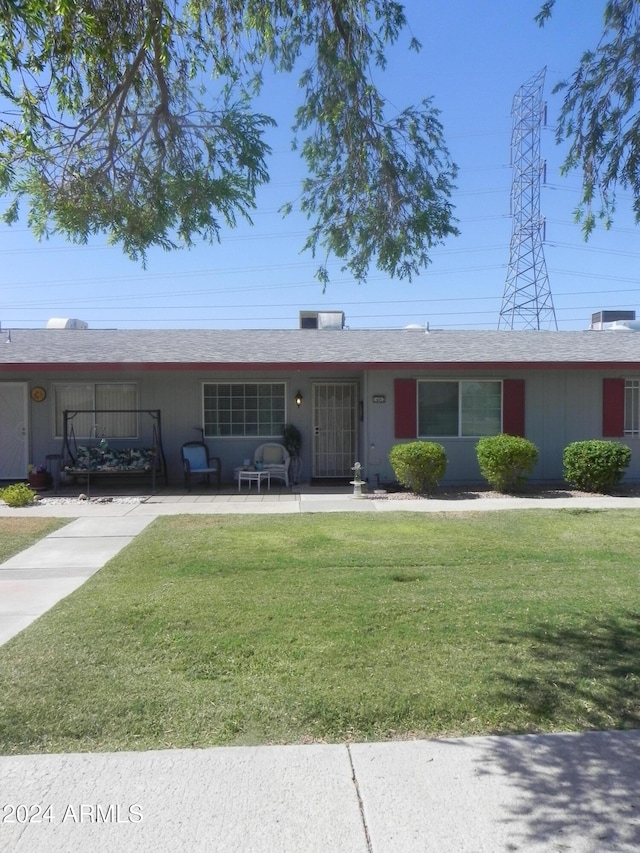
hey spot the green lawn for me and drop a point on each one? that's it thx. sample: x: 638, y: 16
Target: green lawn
x: 254, y: 629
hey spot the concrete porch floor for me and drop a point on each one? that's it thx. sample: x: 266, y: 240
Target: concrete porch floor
x: 200, y: 492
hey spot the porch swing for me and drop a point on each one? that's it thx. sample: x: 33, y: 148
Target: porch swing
x: 113, y: 456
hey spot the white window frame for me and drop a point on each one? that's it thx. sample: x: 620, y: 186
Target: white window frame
x: 460, y: 433
x: 632, y: 408
x: 239, y: 425
x: 124, y: 426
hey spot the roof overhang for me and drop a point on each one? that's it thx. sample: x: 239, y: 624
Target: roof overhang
x: 316, y: 366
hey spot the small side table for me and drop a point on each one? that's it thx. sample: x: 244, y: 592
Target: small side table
x: 250, y: 475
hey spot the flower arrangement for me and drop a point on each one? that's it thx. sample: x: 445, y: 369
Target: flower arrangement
x: 39, y: 477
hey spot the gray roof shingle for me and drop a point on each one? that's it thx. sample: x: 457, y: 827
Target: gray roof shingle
x: 297, y: 347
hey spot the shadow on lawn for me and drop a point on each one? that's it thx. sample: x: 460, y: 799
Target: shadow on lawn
x: 584, y: 783
x: 589, y: 673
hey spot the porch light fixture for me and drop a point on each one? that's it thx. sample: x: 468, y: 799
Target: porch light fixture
x: 298, y: 399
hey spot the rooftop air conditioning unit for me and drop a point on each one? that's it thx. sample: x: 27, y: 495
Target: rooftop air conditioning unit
x: 63, y: 323
x: 611, y: 319
x: 322, y: 319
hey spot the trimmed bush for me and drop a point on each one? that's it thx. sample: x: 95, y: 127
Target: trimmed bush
x: 419, y: 465
x: 595, y: 465
x: 506, y: 460
x: 18, y: 494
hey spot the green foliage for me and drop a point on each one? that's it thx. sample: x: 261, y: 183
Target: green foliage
x: 506, y: 460
x: 419, y: 465
x: 599, y: 116
x: 135, y: 120
x: 292, y: 439
x: 18, y: 494
x: 230, y: 630
x: 545, y: 12
x: 595, y: 466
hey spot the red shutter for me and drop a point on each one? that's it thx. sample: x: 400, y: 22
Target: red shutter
x: 405, y: 408
x: 513, y: 406
x: 612, y: 408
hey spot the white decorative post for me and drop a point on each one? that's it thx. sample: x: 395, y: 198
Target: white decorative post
x: 357, y: 480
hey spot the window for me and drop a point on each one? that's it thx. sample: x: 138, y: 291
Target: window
x: 99, y: 396
x: 465, y: 408
x: 244, y: 409
x: 631, y: 407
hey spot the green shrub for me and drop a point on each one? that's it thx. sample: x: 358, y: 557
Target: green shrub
x: 419, y: 465
x: 18, y: 494
x: 595, y: 465
x: 506, y: 460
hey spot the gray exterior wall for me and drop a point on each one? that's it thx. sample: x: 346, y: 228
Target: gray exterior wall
x: 561, y: 406
x: 179, y: 396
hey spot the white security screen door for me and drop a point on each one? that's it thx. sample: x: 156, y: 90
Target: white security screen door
x: 335, y: 430
x: 13, y: 430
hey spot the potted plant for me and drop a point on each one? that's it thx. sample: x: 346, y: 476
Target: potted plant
x: 292, y: 440
x: 39, y: 478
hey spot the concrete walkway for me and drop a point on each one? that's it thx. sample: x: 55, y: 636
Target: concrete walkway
x: 301, y: 501
x: 570, y: 792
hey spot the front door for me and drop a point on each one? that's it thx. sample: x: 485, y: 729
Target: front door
x: 335, y: 428
x: 13, y: 430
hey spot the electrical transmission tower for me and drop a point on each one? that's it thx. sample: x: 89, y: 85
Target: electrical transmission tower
x: 527, y: 302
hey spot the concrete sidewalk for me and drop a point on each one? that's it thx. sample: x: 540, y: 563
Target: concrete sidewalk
x: 536, y: 794
x: 302, y: 501
x: 568, y: 792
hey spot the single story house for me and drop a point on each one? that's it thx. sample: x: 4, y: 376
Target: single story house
x: 353, y: 394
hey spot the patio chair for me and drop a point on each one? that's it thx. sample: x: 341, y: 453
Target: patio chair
x: 196, y: 460
x: 275, y: 459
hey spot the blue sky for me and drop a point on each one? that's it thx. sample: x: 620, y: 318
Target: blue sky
x: 475, y: 55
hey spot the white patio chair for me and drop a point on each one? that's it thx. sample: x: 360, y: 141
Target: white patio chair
x: 273, y: 458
